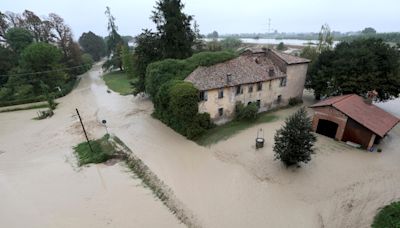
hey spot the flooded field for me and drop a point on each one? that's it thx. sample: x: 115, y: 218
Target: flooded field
x: 229, y: 184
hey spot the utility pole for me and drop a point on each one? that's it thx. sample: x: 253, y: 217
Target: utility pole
x: 269, y: 26
x: 84, y: 131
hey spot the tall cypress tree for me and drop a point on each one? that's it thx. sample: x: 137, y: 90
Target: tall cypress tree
x: 176, y: 35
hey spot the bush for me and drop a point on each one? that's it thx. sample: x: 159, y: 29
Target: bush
x: 294, y: 101
x: 248, y: 112
x: 176, y: 104
x: 389, y: 216
x: 160, y: 72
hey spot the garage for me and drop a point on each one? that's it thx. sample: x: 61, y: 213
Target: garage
x: 327, y: 128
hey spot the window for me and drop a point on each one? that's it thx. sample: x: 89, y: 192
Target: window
x: 258, y: 103
x: 203, y: 96
x: 279, y: 99
x: 221, y: 111
x: 250, y: 88
x: 283, y: 82
x: 220, y: 93
x: 239, y: 90
x: 259, y: 86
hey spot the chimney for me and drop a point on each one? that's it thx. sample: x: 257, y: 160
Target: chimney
x: 371, y: 96
x: 271, y: 71
x: 228, y: 78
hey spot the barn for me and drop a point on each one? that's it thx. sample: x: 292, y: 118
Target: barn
x: 352, y: 118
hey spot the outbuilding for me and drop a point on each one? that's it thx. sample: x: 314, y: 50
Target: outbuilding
x: 352, y: 118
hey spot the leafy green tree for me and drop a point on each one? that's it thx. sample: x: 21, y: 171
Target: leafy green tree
x: 127, y: 62
x: 147, y: 51
x: 248, y: 112
x: 368, y: 31
x: 357, y: 67
x: 114, y: 42
x: 42, y: 57
x: 7, y: 62
x: 176, y: 35
x: 93, y: 45
x: 325, y: 38
x: 312, y: 54
x: 231, y: 43
x: 18, y: 39
x: 294, y: 141
x: 281, y: 47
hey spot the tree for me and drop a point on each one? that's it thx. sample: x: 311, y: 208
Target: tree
x: 213, y: 35
x: 7, y: 62
x: 114, y: 42
x: 198, y: 42
x: 294, y: 141
x: 281, y: 47
x: 62, y: 33
x: 147, y: 51
x: 312, y: 54
x: 231, y: 43
x: 325, y: 38
x: 368, y: 31
x: 357, y: 67
x: 42, y: 57
x: 93, y: 45
x: 176, y: 35
x: 127, y: 62
x: 18, y: 39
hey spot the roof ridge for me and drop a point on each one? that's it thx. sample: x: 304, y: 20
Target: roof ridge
x: 344, y: 98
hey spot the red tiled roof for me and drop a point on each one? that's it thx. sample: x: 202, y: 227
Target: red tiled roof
x: 368, y: 115
x: 242, y: 70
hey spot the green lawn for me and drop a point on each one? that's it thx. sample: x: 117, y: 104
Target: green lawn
x: 103, y: 150
x: 388, y: 217
x: 118, y: 82
x: 229, y: 129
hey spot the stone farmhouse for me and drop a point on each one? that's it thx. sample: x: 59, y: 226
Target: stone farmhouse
x: 265, y: 77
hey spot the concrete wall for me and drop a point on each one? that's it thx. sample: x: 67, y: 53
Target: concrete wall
x: 296, y: 77
x: 333, y: 115
x: 268, y: 99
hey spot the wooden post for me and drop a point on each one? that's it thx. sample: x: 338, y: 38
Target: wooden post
x: 84, y: 131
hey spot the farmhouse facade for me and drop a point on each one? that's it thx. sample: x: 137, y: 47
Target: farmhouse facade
x: 265, y: 77
x: 352, y: 118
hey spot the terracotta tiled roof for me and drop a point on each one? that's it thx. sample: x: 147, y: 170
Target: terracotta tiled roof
x: 368, y: 115
x: 290, y: 59
x: 242, y: 70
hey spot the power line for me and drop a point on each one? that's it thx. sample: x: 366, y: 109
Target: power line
x: 44, y: 72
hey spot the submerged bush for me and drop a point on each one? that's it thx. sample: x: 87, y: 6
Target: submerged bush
x: 248, y: 112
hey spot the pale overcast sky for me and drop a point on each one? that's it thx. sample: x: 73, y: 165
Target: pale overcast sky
x: 224, y: 16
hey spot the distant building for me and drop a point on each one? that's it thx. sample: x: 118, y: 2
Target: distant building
x: 352, y: 118
x: 265, y: 77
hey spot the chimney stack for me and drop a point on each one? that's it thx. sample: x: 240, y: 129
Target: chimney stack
x: 271, y: 71
x: 371, y: 95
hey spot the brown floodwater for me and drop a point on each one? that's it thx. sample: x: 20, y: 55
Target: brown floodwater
x: 229, y: 184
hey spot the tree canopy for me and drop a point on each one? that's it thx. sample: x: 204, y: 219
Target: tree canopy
x: 18, y: 39
x: 93, y: 45
x: 357, y: 67
x: 173, y: 26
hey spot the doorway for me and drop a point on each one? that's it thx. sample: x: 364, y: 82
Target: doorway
x: 327, y: 128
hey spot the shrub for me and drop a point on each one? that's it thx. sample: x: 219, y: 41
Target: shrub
x: 389, y: 216
x: 160, y: 72
x: 248, y: 112
x: 294, y: 101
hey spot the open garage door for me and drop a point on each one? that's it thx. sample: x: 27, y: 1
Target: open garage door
x: 327, y: 128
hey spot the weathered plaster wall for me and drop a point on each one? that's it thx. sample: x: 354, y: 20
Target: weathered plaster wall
x: 268, y: 99
x: 296, y: 77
